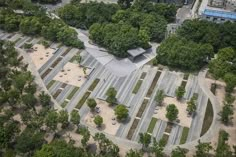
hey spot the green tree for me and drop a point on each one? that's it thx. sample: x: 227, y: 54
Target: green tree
x: 180, y: 91
x: 121, y: 112
x: 75, y: 117
x: 230, y: 80
x: 160, y: 95
x: 203, y: 149
x: 28, y: 141
x: 111, y: 95
x: 63, y: 118
x: 30, y: 26
x: 145, y: 140
x: 191, y: 105
x: 226, y: 113
x: 51, y: 120
x: 184, y: 54
x: 44, y: 99
x: 172, y: 112
x: 133, y: 153
x: 91, y: 104
x: 98, y: 120
x: 157, y: 148
x: 223, y: 149
x: 29, y: 100
x: 86, y: 136
x: 178, y: 152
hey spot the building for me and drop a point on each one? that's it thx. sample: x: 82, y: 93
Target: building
x: 134, y: 53
x: 218, y: 10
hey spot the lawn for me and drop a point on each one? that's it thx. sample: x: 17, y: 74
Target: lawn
x: 82, y: 100
x: 142, y: 108
x: 94, y: 84
x: 132, y: 129
x: 137, y: 86
x: 183, y: 83
x: 72, y: 93
x: 213, y: 88
x: 207, y: 118
x: 184, y: 135
x: 49, y: 85
x: 153, y: 85
x: 152, y: 125
x: 186, y: 75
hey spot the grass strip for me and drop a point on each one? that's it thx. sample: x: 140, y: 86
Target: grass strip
x: 72, y: 93
x: 154, y: 82
x: 184, y: 135
x: 183, y: 83
x: 152, y: 125
x: 186, y: 75
x: 17, y: 40
x: 94, y: 84
x: 49, y: 85
x: 137, y: 86
x: 132, y: 129
x: 46, y: 73
x: 169, y: 127
x: 82, y: 100
x: 64, y: 104
x: 207, y: 118
x: 142, y: 108
x: 143, y: 75
x: 164, y: 139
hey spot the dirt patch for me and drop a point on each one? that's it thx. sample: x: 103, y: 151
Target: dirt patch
x: 110, y: 125
x: 185, y: 120
x: 40, y: 55
x: 72, y: 74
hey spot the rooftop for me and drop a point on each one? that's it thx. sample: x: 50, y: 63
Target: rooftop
x: 217, y: 13
x: 136, y: 52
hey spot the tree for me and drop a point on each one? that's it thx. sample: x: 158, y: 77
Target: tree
x: 98, y: 120
x: 191, y: 107
x: 178, y: 152
x: 180, y: 92
x: 63, y: 118
x: 172, y: 112
x: 160, y: 95
x: 30, y: 26
x: 124, y: 3
x: 59, y: 148
x: 75, y: 117
x: 51, y: 120
x: 203, y: 149
x: 157, y: 148
x: 184, y: 54
x: 133, y: 153
x: 230, y: 80
x: 223, y: 149
x: 145, y: 140
x: 106, y: 147
x: 78, y: 58
x: 91, y: 104
x: 121, y: 112
x: 111, y: 95
x: 44, y: 99
x: 86, y: 135
x: 29, y: 100
x: 28, y: 141
x: 226, y: 113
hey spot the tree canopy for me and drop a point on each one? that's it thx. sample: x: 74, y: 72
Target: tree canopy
x: 172, y: 112
x: 184, y: 54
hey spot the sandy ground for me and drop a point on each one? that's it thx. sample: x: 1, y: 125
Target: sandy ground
x: 72, y: 74
x: 182, y: 116
x: 17, y: 117
x: 40, y: 55
x: 107, y: 113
